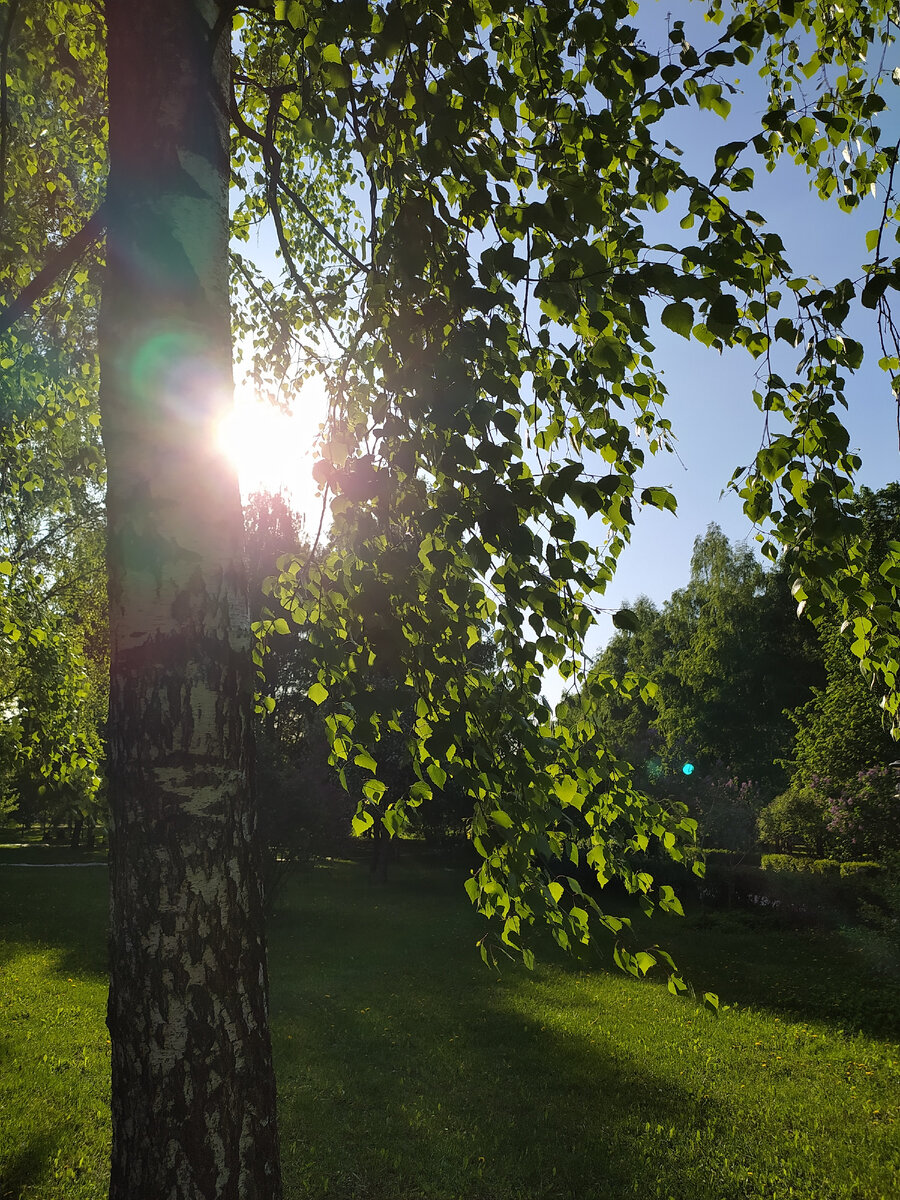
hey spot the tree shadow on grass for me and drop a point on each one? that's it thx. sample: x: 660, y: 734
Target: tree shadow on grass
x: 63, y: 908
x: 834, y: 976
x: 406, y: 1069
x: 25, y: 1165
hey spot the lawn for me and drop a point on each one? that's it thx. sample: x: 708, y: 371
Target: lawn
x: 407, y: 1069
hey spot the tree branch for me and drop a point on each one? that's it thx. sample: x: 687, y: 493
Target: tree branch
x: 273, y: 158
x: 4, y: 101
x: 61, y: 258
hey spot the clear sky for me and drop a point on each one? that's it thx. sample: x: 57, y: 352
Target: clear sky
x: 716, y: 423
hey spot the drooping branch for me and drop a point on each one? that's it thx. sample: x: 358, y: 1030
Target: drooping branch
x: 60, y: 260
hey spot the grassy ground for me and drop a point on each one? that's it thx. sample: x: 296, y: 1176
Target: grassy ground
x: 408, y: 1070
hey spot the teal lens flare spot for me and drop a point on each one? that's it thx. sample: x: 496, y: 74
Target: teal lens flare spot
x: 687, y: 769
x: 174, y: 370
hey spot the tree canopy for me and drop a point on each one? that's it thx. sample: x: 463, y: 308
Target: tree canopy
x: 729, y: 657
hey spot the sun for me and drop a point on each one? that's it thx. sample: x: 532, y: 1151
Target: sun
x: 273, y: 450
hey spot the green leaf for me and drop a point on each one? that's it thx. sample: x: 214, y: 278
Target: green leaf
x: 626, y: 619
x: 436, y: 774
x: 318, y: 693
x: 679, y: 317
x: 374, y: 789
x: 567, y: 791
x: 361, y: 822
x: 556, y: 891
x: 281, y: 626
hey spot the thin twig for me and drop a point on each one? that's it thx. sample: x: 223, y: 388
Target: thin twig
x: 273, y: 155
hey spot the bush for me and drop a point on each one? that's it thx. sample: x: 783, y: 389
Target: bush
x: 801, y: 864
x: 862, y: 814
x: 731, y: 858
x: 880, y: 910
x: 864, y: 870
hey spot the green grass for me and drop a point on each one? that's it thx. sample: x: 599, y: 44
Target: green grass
x: 406, y: 1069
x: 54, y: 1053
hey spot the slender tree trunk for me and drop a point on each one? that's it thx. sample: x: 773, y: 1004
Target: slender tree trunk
x: 193, y: 1096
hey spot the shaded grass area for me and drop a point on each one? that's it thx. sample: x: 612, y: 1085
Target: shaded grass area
x: 54, y: 1053
x: 408, y: 1070
x: 40, y: 854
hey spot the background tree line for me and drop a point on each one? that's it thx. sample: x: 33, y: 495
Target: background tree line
x: 788, y: 744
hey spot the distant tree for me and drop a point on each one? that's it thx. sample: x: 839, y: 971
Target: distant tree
x: 738, y: 661
x: 729, y: 659
x: 797, y: 821
x: 625, y: 722
x: 303, y: 811
x: 54, y: 657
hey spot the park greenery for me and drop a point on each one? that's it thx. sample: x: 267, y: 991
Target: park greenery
x: 467, y: 203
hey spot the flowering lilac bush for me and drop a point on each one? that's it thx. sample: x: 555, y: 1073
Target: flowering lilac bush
x: 725, y: 805
x: 862, y: 817
x: 851, y: 821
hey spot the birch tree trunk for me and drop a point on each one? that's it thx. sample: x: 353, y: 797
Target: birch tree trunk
x: 193, y: 1096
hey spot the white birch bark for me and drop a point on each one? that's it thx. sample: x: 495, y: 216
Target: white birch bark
x: 193, y: 1096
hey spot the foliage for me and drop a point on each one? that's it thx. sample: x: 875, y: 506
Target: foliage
x: 866, y: 869
x: 851, y: 819
x: 52, y: 601
x: 863, y: 816
x: 737, y: 650
x: 725, y: 806
x: 53, y: 661
x: 728, y: 657
x: 796, y: 819
x: 303, y: 813
x: 883, y: 914
x: 487, y: 317
x: 797, y: 862
x: 842, y: 728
